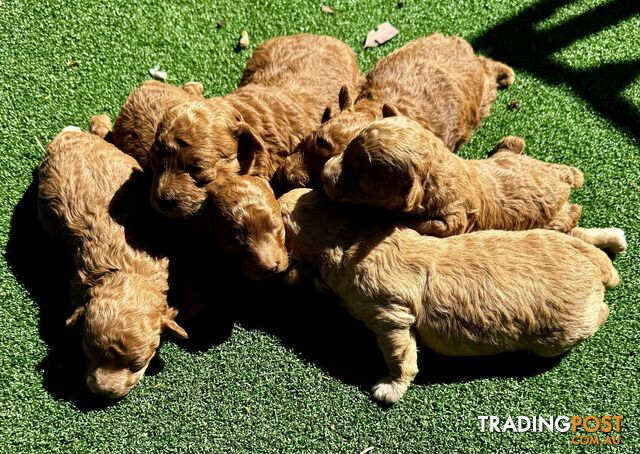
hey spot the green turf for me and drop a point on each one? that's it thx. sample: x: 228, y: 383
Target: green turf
x: 284, y: 382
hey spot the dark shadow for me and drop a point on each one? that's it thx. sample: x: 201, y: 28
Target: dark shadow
x: 517, y: 43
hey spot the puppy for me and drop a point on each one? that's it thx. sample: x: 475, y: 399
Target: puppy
x: 245, y: 222
x: 119, y: 288
x: 287, y: 84
x: 437, y: 81
x: 475, y: 294
x: 396, y: 164
x: 135, y: 128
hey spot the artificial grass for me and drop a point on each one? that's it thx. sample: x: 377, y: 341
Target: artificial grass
x: 294, y: 376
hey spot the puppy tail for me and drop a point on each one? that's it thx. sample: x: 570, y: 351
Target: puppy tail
x: 503, y: 74
x: 100, y: 125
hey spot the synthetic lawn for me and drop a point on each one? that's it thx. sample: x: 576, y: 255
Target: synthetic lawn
x: 296, y: 376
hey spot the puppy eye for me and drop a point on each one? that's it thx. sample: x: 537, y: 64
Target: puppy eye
x: 321, y: 142
x: 194, y: 168
x: 181, y: 143
x: 135, y: 366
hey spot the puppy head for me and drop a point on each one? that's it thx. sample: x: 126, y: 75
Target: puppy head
x: 123, y: 322
x: 197, y: 143
x: 334, y: 134
x: 312, y: 223
x: 249, y: 225
x: 382, y: 166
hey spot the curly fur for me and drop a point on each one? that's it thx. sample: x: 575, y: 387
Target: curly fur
x: 119, y: 288
x: 245, y: 221
x: 437, y: 81
x: 395, y: 163
x: 135, y: 128
x: 287, y: 84
x: 474, y: 294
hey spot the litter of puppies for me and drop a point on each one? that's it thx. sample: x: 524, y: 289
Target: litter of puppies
x: 424, y: 247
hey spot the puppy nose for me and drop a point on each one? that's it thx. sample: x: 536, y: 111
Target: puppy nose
x: 165, y: 204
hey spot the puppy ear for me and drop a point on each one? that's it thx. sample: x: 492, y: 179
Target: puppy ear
x: 250, y: 147
x: 345, y: 100
x: 326, y: 115
x: 413, y: 200
x: 389, y: 111
x: 170, y: 325
x: 78, y: 313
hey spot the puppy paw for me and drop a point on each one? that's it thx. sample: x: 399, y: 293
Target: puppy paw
x: 388, y: 390
x: 71, y: 129
x: 616, y: 241
x: 100, y: 125
x: 513, y: 144
x: 193, y: 88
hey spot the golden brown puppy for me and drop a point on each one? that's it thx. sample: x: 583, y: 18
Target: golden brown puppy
x: 287, y: 84
x: 118, y: 289
x: 437, y: 81
x: 475, y: 294
x: 245, y: 221
x: 395, y: 163
x: 135, y: 128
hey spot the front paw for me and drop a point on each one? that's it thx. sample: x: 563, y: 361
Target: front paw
x: 388, y: 390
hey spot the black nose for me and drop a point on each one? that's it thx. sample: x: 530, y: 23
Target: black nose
x: 166, y: 204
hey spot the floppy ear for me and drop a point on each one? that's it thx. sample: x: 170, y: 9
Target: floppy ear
x: 326, y: 115
x: 414, y: 197
x: 170, y: 325
x: 78, y: 313
x: 249, y: 147
x: 345, y: 100
x: 389, y: 111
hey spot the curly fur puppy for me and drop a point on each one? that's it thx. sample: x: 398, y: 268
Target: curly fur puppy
x: 475, y: 294
x: 135, y: 128
x: 287, y: 84
x: 119, y: 289
x: 437, y: 81
x: 245, y: 222
x: 395, y: 163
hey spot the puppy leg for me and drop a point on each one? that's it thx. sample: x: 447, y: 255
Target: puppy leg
x: 511, y: 144
x: 565, y: 219
x: 447, y: 225
x: 194, y: 89
x: 100, y: 125
x: 608, y: 239
x: 502, y: 74
x: 401, y: 355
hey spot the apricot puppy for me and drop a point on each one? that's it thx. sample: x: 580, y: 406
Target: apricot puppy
x: 119, y: 288
x: 135, y: 128
x: 395, y: 163
x: 287, y: 84
x: 245, y: 221
x: 437, y: 81
x: 475, y: 294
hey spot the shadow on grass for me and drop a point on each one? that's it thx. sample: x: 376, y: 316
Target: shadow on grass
x: 323, y: 333
x: 518, y: 43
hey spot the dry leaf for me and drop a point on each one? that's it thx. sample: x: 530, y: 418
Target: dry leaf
x: 244, y: 40
x: 157, y: 73
x: 327, y: 9
x: 247, y: 410
x: 365, y: 451
x: 72, y: 63
x: 381, y: 35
